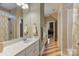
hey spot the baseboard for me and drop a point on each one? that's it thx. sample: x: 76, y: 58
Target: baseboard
x: 70, y: 52
x: 62, y: 54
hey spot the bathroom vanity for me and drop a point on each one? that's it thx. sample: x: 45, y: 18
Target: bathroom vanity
x: 30, y: 47
x: 16, y: 25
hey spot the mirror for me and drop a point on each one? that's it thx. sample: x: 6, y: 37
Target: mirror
x: 11, y: 21
x: 16, y: 21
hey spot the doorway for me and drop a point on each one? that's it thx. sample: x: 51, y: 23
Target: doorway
x: 51, y: 48
x: 21, y: 28
x: 50, y: 30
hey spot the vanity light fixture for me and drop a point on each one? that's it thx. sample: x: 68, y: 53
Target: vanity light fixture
x: 23, y: 5
x: 19, y: 4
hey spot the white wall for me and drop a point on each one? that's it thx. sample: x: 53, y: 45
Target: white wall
x: 35, y: 16
x: 66, y: 28
x: 60, y: 29
x: 69, y: 28
x: 26, y: 20
x: 32, y: 17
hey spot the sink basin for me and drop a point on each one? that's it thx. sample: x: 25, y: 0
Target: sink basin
x: 26, y: 40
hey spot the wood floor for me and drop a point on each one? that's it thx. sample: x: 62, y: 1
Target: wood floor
x: 52, y: 49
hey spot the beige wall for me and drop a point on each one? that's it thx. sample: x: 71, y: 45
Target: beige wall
x: 64, y: 31
x: 69, y: 28
x: 66, y: 18
x: 60, y: 29
x: 19, y: 15
x: 75, y: 32
x: 3, y: 28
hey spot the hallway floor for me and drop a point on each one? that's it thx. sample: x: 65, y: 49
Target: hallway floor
x: 52, y: 49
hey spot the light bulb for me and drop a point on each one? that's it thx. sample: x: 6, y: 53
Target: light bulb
x: 19, y: 4
x: 25, y: 6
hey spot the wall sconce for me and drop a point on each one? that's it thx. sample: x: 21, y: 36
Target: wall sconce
x: 25, y: 6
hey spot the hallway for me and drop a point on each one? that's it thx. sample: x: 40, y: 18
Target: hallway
x: 52, y: 49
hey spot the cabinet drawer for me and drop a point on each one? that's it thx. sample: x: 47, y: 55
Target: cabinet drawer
x: 36, y: 49
x: 29, y: 50
x: 33, y: 50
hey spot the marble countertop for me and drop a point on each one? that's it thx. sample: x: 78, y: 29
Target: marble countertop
x: 15, y: 48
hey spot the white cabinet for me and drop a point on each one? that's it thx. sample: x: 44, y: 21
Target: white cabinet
x: 36, y: 49
x: 22, y: 53
x: 29, y: 50
x: 32, y: 50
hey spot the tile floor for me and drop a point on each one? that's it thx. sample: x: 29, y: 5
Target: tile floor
x: 52, y: 49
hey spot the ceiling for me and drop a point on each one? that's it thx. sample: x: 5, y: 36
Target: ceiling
x: 8, y: 6
x: 50, y: 8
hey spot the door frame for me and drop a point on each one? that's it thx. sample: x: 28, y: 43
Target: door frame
x: 47, y: 27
